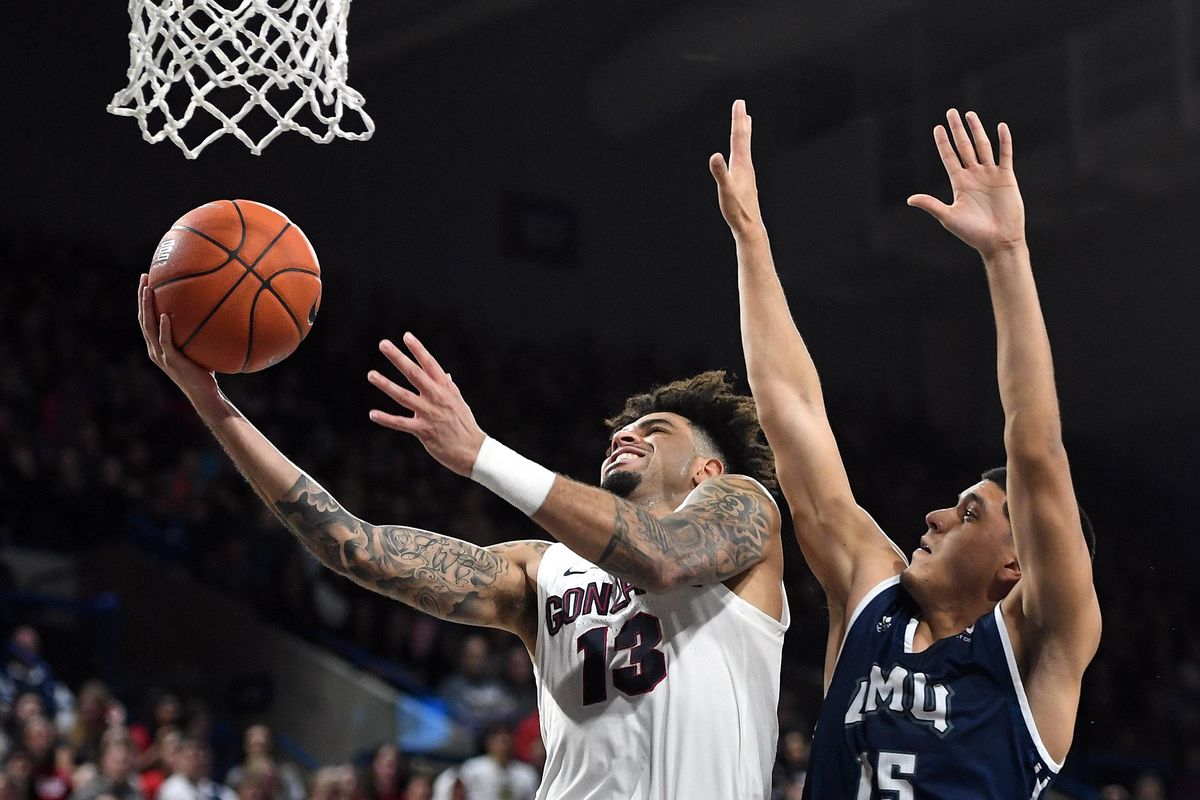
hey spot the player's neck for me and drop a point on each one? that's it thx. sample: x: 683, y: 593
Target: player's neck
x: 656, y: 503
x: 943, y: 617
x: 944, y: 625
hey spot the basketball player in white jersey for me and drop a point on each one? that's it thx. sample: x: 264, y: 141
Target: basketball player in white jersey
x: 656, y: 627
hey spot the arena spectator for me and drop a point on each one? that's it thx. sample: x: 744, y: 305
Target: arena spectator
x: 351, y: 786
x: 162, y: 763
x: 388, y: 774
x: 449, y: 786
x: 166, y: 712
x: 791, y: 768
x: 25, y: 671
x: 419, y: 787
x: 257, y: 782
x: 18, y: 768
x: 191, y: 780
x: 527, y: 741
x: 474, y: 697
x: 117, y: 776
x: 258, y: 746
x: 326, y: 784
x: 27, y: 706
x: 8, y: 790
x: 496, y: 775
x: 91, y: 719
x: 50, y: 780
x: 518, y: 682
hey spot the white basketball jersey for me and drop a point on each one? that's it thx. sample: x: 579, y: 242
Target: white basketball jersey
x: 649, y: 696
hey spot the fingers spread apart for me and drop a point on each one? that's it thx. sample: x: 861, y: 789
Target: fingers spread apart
x: 971, y: 145
x: 1006, y: 146
x: 983, y: 147
x: 433, y: 385
x: 404, y: 397
x: 411, y: 370
x: 962, y: 141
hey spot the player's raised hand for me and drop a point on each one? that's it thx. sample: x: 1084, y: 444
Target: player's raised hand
x: 441, y: 418
x: 737, y: 191
x: 156, y: 329
x: 987, y: 211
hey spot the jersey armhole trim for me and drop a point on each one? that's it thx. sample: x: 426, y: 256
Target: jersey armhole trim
x: 1026, y: 712
x: 543, y: 583
x: 886, y: 583
x: 910, y: 634
x: 754, y: 614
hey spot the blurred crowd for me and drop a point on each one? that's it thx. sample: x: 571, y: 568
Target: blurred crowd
x: 56, y: 744
x: 99, y: 449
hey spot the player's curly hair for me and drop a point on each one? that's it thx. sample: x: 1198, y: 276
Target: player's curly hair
x: 710, y: 404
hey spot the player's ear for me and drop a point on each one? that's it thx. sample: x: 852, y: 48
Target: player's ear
x: 1011, y: 572
x: 706, y: 468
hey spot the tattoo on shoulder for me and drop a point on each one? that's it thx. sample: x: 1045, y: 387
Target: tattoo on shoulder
x: 440, y: 575
x: 722, y: 531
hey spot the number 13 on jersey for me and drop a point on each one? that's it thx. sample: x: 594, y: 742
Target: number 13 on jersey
x: 640, y: 635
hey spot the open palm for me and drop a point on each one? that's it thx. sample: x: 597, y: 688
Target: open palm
x: 987, y: 211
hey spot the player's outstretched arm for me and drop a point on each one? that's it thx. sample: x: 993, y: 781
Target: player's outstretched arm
x: 1056, y: 593
x: 724, y: 527
x: 440, y: 575
x: 843, y: 546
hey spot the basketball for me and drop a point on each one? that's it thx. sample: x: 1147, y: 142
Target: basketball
x: 240, y: 282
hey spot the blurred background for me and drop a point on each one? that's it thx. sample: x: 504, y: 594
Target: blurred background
x: 536, y: 205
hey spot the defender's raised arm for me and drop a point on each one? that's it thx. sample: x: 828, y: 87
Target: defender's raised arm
x: 844, y: 547
x: 987, y: 213
x: 1054, y: 606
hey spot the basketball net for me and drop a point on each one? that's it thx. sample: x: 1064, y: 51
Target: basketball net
x: 227, y: 58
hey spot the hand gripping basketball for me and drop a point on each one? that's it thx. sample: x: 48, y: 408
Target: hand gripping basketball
x: 156, y: 330
x: 441, y: 418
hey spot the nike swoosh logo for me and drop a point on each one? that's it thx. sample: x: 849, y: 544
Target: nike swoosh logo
x: 575, y: 572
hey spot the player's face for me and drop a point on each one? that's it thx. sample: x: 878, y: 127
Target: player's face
x: 967, y: 546
x: 655, y: 453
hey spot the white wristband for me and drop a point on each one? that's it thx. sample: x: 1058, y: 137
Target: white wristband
x: 512, y: 476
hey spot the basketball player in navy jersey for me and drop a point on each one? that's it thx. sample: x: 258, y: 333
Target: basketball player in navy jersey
x: 656, y: 625
x: 956, y: 675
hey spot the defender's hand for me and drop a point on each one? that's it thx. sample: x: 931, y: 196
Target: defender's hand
x: 440, y: 419
x: 737, y: 191
x: 987, y: 212
x: 189, y: 376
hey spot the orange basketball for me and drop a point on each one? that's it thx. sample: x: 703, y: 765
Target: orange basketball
x: 240, y: 282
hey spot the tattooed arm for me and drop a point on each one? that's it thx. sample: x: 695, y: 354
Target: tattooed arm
x: 727, y: 525
x: 446, y: 577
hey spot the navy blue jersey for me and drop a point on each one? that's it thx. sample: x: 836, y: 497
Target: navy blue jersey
x: 947, y: 723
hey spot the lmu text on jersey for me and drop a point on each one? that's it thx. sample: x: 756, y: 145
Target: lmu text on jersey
x: 902, y: 692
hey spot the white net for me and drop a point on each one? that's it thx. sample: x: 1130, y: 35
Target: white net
x: 250, y: 68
